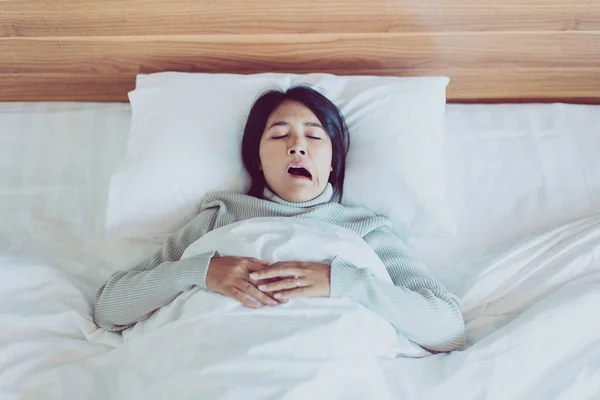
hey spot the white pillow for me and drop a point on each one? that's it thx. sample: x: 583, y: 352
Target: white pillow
x: 186, y: 133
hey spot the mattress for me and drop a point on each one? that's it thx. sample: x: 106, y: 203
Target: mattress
x: 512, y: 171
x: 524, y: 184
x: 55, y: 165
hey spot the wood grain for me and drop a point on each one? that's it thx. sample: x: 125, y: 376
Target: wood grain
x: 89, y: 50
x: 109, y: 87
x: 335, y: 53
x: 40, y: 18
x: 474, y: 85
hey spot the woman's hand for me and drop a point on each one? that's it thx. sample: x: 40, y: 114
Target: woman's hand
x: 229, y: 276
x: 295, y: 279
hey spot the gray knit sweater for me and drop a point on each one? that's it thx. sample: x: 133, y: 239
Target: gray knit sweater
x: 416, y: 304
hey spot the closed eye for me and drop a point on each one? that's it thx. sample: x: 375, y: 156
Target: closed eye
x: 314, y: 137
x: 278, y: 137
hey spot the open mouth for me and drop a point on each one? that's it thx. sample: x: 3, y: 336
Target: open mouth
x: 299, y: 172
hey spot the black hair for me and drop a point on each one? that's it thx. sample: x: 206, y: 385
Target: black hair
x: 326, y: 112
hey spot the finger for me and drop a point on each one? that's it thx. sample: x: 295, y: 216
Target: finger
x: 261, y: 262
x: 253, y: 266
x: 294, y: 293
x: 281, y: 284
x: 239, y: 296
x: 284, y: 264
x: 250, y: 289
x: 277, y: 271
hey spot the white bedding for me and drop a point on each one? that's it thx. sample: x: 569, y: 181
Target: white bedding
x: 531, y: 309
x: 531, y: 317
x: 55, y: 165
x: 541, y: 160
x: 533, y: 326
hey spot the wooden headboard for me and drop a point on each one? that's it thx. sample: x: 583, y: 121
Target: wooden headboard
x: 493, y: 50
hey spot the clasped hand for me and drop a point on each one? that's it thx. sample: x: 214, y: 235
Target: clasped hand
x: 253, y: 282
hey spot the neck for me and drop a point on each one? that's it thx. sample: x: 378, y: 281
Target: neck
x: 324, y: 197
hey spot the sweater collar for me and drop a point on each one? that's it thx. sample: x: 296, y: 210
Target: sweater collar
x: 324, y: 197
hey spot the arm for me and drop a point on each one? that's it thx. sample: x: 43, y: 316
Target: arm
x: 130, y: 296
x: 416, y: 304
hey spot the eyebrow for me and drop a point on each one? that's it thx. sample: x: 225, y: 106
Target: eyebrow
x: 284, y: 123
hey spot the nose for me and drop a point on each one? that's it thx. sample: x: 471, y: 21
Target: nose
x: 297, y: 148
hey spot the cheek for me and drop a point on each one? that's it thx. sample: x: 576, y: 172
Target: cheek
x: 263, y: 152
x: 267, y: 155
x: 325, y: 158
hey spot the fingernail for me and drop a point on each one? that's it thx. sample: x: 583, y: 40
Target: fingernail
x: 278, y: 296
x: 262, y: 287
x: 253, y: 275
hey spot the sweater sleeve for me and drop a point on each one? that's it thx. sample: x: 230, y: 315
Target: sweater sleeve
x: 416, y: 304
x: 133, y: 295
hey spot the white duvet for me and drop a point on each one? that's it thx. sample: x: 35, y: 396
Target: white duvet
x: 532, y: 317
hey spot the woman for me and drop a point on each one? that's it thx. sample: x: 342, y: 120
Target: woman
x: 294, y: 149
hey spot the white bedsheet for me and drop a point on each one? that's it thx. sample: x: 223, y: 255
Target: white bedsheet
x: 533, y: 326
x: 55, y: 165
x: 532, y: 319
x: 531, y: 311
x: 542, y: 161
x: 514, y: 170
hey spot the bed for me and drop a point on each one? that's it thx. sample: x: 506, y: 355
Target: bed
x: 522, y: 134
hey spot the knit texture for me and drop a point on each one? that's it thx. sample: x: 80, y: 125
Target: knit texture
x: 416, y: 304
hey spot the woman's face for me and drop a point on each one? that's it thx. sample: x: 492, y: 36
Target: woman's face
x: 295, y: 153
